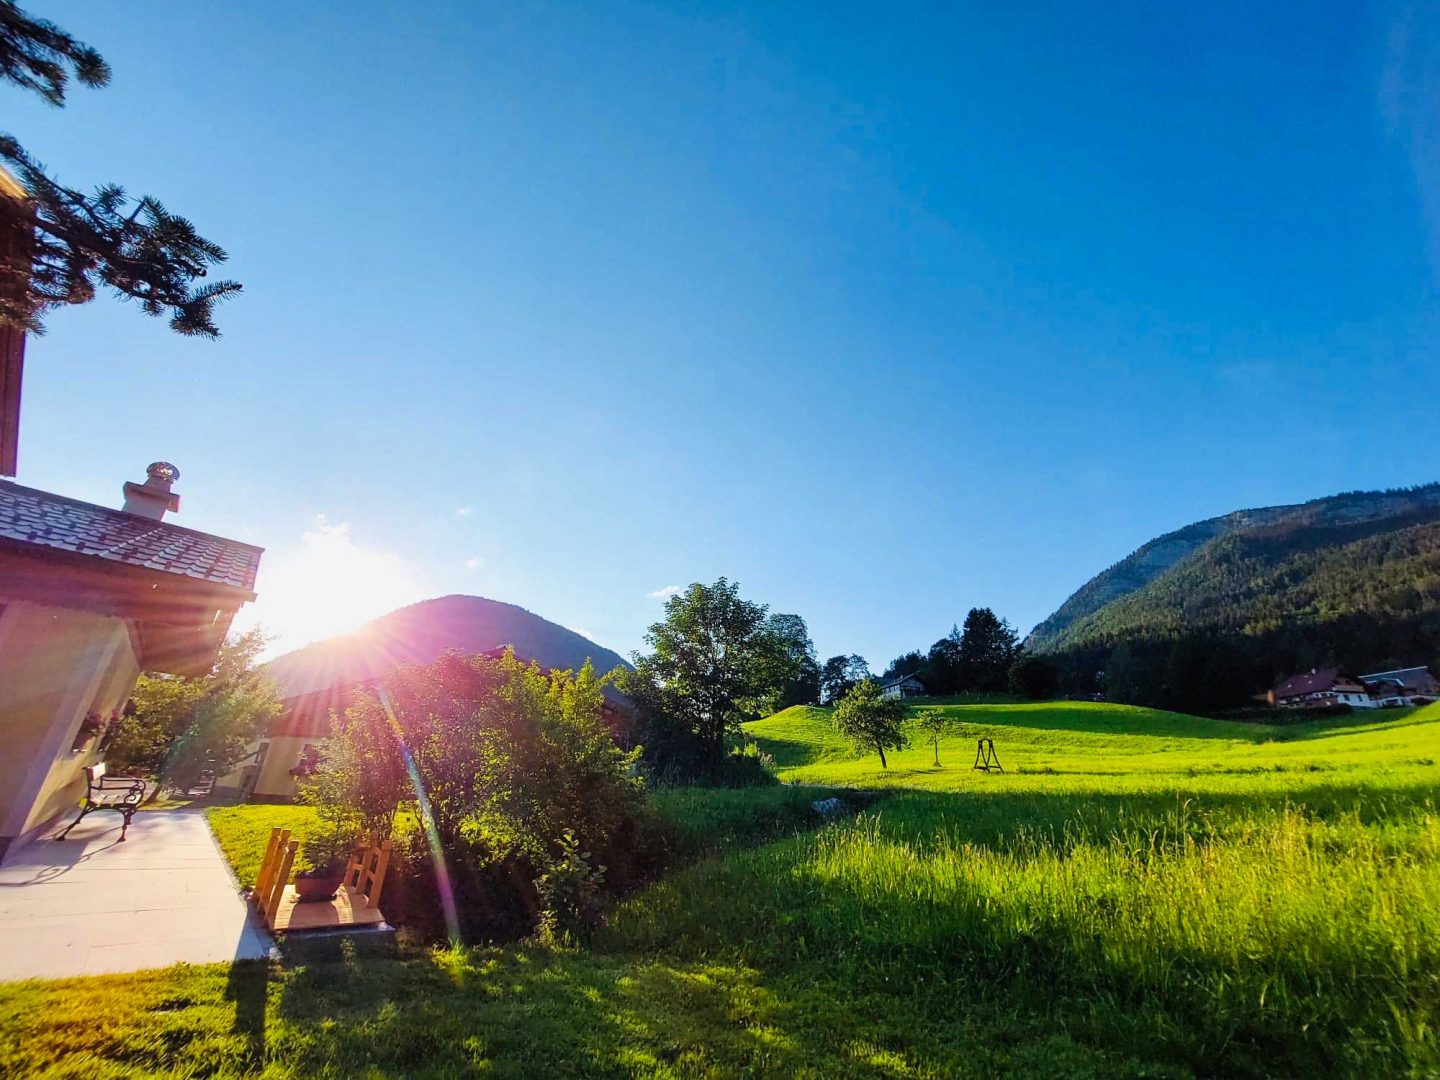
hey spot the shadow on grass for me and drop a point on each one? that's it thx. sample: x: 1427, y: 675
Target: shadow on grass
x: 533, y: 1012
x: 1001, y: 820
x: 248, y: 986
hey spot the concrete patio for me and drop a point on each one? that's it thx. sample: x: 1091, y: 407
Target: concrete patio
x: 88, y: 905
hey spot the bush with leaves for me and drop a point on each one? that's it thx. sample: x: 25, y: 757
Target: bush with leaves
x: 514, y: 763
x: 569, y: 891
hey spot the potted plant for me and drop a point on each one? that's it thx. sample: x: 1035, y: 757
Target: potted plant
x: 327, y: 870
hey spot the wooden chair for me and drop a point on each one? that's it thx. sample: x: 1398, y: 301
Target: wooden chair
x: 365, y: 872
x: 274, y: 874
x: 356, y: 905
x: 123, y: 794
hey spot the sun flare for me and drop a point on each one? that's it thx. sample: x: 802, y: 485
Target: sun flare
x: 329, y: 584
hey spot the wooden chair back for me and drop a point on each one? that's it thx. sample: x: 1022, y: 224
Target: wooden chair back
x: 365, y: 872
x: 274, y: 874
x: 95, y: 773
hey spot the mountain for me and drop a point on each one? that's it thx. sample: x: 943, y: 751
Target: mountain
x: 417, y: 634
x: 1361, y: 560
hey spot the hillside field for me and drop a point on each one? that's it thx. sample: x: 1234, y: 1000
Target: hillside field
x: 1140, y: 893
x: 1080, y: 746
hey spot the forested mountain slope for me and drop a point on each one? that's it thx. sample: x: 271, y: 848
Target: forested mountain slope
x: 1372, y: 555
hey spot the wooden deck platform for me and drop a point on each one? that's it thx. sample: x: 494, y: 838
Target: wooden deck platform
x: 350, y: 908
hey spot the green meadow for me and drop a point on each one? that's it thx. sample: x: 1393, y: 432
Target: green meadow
x: 1139, y: 893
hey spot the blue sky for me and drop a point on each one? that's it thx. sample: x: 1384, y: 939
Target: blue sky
x: 884, y: 312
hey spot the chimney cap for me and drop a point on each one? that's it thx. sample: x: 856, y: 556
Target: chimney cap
x: 152, y: 498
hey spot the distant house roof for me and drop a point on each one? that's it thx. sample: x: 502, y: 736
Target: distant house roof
x: 901, y: 679
x: 38, y: 518
x: 1312, y: 682
x: 1410, y: 678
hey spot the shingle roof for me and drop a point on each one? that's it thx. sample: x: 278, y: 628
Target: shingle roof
x: 53, y: 521
x: 1310, y: 682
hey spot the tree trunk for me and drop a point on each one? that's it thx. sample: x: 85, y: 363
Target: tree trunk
x: 937, y: 753
x: 881, y: 749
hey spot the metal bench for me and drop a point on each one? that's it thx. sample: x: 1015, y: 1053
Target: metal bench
x: 123, y: 794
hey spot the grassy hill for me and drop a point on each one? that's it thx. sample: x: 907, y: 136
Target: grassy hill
x: 1076, y: 746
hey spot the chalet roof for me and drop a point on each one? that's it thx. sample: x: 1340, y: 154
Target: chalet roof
x: 1312, y: 682
x: 1407, y: 678
x: 54, y: 522
x: 900, y: 679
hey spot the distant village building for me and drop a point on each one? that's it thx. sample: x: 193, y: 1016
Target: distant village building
x: 904, y: 687
x: 1321, y: 688
x: 1404, y: 686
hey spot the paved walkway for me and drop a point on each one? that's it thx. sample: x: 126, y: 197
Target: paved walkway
x: 89, y: 905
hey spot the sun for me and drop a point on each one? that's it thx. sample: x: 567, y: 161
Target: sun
x: 328, y: 584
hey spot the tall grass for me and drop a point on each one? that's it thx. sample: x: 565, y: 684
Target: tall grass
x: 1216, y: 936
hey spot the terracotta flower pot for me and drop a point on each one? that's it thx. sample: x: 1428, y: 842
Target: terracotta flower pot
x: 317, y: 889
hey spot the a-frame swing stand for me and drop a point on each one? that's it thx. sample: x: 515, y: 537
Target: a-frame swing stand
x: 986, y: 760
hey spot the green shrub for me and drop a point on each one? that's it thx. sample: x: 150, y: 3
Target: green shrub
x: 514, y: 766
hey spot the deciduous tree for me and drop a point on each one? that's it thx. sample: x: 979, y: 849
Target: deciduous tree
x: 175, y: 729
x: 932, y: 722
x: 715, y: 661
x: 839, y: 674
x: 871, y: 722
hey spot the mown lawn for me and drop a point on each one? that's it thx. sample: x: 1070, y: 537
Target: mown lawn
x: 1140, y: 894
x: 244, y: 831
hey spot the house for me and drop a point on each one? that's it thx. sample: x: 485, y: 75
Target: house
x: 1321, y: 688
x: 290, y: 747
x: 89, y: 598
x: 1404, y: 686
x: 905, y: 686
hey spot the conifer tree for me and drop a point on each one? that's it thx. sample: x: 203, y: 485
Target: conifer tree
x: 77, y: 242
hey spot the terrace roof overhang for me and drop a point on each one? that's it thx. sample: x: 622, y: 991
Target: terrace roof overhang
x: 176, y: 622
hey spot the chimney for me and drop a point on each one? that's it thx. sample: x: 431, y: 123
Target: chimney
x: 152, y: 498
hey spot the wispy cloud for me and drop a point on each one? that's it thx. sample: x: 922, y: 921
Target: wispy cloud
x: 464, y: 511
x: 581, y: 631
x: 473, y: 564
x: 666, y: 592
x: 1408, y: 92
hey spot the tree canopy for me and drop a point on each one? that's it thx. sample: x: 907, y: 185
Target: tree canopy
x: 839, y: 674
x: 79, y: 242
x: 174, y: 729
x: 871, y: 722
x: 715, y: 661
